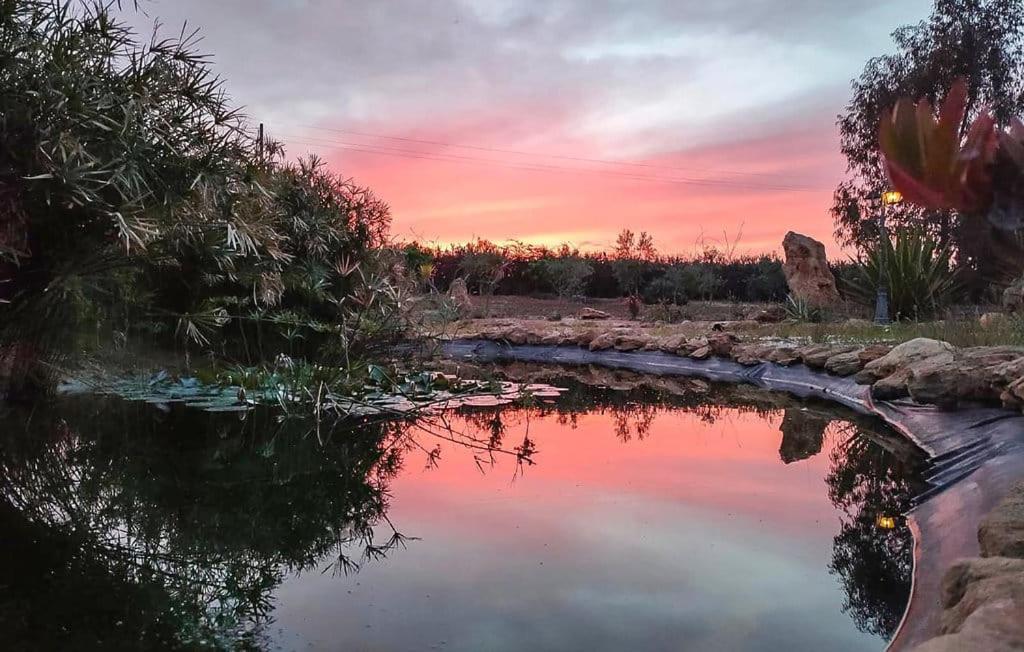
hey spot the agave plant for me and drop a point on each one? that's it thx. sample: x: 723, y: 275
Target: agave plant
x: 914, y: 269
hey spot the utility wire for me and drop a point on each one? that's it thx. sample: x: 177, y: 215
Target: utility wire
x: 537, y: 167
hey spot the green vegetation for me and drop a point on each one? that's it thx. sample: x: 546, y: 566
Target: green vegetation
x: 917, y: 273
x: 528, y: 270
x: 136, y: 200
x: 567, y: 273
x: 981, y: 41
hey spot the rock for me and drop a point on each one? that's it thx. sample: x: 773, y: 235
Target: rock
x: 873, y: 352
x: 973, y: 586
x: 1013, y: 296
x: 602, y: 342
x: 771, y: 315
x: 844, y: 364
x: 630, y: 342
x: 902, y: 355
x: 703, y: 353
x: 1001, y: 533
x: 984, y: 601
x: 1007, y: 372
x: 815, y: 355
x: 965, y: 572
x: 672, y: 343
x: 802, y: 435
x: 807, y: 272
x: 1013, y: 395
x: 750, y: 354
x: 784, y: 355
x: 721, y: 343
x: 993, y: 319
x: 459, y: 295
x: 692, y: 345
x: 892, y: 387
x: 592, y: 313
x: 969, y: 374
x: 516, y: 336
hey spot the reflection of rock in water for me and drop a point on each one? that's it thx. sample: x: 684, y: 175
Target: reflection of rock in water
x: 802, y: 434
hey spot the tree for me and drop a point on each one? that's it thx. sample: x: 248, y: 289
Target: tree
x: 567, y: 273
x: 130, y: 186
x: 632, y: 258
x: 979, y: 40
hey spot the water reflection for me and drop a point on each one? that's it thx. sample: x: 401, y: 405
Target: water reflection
x: 128, y: 526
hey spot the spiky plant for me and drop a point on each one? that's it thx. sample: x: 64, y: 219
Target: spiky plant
x: 916, y: 271
x: 126, y: 177
x: 932, y: 166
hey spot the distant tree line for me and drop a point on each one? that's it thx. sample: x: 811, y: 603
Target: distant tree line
x: 633, y: 268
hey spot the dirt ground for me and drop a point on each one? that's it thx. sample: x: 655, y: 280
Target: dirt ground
x: 543, y: 308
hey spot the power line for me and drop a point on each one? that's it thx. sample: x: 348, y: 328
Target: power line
x: 580, y: 159
x: 537, y: 167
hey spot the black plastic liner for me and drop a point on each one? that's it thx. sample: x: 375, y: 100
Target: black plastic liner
x: 974, y: 455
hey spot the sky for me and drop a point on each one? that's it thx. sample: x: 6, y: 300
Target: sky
x: 549, y: 121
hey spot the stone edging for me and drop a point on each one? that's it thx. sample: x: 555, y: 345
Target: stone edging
x: 976, y: 455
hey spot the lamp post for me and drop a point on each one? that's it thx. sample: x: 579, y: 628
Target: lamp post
x: 889, y: 198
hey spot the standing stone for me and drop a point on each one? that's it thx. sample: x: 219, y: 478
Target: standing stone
x: 459, y: 294
x: 807, y: 272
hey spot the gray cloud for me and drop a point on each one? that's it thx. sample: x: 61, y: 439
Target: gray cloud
x: 615, y: 72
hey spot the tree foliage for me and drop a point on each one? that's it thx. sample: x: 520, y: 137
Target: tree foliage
x: 132, y: 192
x: 981, y: 41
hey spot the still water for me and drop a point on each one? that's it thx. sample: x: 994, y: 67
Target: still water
x: 604, y: 520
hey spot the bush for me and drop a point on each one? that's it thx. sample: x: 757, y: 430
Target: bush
x: 682, y: 282
x: 916, y: 271
x: 133, y: 197
x: 567, y: 275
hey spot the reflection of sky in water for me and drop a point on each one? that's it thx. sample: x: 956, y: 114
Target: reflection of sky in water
x: 696, y: 537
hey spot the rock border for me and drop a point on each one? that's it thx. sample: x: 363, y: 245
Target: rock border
x: 976, y: 455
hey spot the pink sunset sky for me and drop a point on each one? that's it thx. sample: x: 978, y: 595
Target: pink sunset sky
x: 559, y: 120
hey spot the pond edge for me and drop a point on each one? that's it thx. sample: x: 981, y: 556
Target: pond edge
x: 975, y: 454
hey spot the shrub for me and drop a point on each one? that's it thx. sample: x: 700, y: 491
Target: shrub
x: 133, y: 196
x: 799, y: 309
x: 567, y: 275
x: 916, y: 271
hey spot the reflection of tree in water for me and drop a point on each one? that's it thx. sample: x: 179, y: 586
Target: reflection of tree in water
x: 196, y: 511
x: 145, y: 529
x: 875, y: 564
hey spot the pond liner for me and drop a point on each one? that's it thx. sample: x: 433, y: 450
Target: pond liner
x: 974, y: 455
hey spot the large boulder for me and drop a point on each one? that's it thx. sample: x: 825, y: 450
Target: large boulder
x: 807, y: 272
x: 1002, y: 531
x: 902, y: 355
x: 459, y: 294
x: 972, y: 374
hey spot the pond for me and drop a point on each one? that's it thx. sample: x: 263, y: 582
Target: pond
x: 702, y: 518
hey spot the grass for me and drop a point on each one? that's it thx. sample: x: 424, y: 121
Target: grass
x: 958, y: 332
